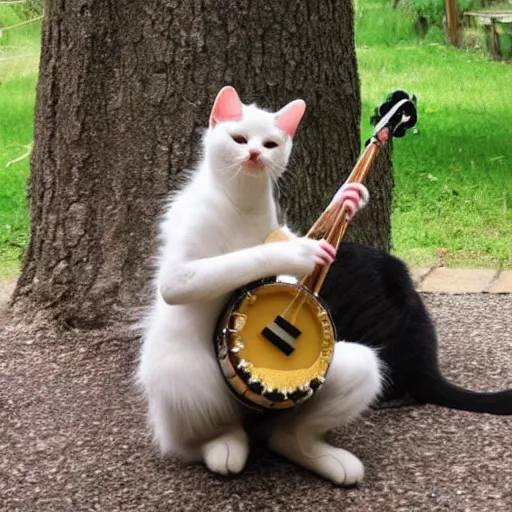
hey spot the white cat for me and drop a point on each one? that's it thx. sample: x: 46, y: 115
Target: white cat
x: 213, y: 236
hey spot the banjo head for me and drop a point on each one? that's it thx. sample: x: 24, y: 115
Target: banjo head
x: 262, y: 371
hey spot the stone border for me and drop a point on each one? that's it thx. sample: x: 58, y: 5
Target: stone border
x: 462, y: 280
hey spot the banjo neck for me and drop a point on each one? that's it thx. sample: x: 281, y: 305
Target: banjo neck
x: 333, y: 223
x: 392, y: 119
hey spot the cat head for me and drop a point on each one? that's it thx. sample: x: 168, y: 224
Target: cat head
x: 247, y: 140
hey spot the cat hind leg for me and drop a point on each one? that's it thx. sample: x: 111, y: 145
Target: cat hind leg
x: 310, y: 451
x: 186, y: 408
x: 352, y: 384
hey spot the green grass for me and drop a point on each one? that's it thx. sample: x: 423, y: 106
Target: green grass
x: 453, y: 192
x: 19, y: 58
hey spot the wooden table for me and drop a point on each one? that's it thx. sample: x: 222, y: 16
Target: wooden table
x: 489, y: 20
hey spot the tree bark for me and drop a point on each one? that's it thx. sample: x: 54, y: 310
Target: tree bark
x: 124, y: 92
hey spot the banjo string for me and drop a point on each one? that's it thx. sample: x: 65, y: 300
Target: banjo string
x: 335, y: 222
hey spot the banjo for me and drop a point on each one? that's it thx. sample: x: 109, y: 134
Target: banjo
x: 275, y: 338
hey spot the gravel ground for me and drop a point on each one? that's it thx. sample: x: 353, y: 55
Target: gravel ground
x: 73, y: 435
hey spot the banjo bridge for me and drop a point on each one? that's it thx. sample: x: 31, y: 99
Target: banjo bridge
x: 282, y: 334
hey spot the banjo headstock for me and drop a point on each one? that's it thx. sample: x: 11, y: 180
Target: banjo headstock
x: 398, y: 113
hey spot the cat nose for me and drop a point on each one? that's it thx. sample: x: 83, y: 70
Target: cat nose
x: 254, y: 155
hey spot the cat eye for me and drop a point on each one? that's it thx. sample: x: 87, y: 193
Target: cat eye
x: 239, y: 139
x: 270, y: 144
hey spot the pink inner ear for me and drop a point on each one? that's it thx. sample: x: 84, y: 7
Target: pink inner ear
x: 289, y: 117
x: 227, y: 106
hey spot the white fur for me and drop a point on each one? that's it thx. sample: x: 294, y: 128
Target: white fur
x: 212, y: 243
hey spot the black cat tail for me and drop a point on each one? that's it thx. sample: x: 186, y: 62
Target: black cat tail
x: 436, y: 390
x: 428, y: 385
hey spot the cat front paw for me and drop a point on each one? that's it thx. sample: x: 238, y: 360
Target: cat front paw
x: 227, y: 454
x: 354, y: 196
x: 302, y: 254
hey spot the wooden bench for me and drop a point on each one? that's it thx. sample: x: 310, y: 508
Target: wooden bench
x: 491, y: 21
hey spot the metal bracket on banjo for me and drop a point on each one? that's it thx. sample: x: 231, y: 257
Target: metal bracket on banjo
x: 248, y: 294
x: 230, y: 331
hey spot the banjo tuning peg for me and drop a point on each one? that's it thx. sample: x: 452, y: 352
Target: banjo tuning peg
x: 407, y: 108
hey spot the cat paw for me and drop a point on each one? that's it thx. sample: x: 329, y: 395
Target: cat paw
x: 302, y: 254
x: 335, y: 464
x: 354, y: 196
x: 347, y: 470
x: 227, y: 454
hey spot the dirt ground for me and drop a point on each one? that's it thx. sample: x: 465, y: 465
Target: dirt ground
x: 73, y: 434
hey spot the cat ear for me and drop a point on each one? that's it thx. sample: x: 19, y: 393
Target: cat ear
x: 226, y: 107
x: 289, y: 117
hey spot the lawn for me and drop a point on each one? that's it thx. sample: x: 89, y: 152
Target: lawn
x: 19, y: 58
x: 453, y: 195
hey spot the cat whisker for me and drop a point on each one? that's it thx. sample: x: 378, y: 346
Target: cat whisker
x: 275, y: 171
x: 231, y: 168
x: 225, y: 170
x: 278, y: 188
x: 289, y: 179
x: 237, y: 173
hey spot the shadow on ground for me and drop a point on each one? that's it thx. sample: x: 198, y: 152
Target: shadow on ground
x: 73, y: 435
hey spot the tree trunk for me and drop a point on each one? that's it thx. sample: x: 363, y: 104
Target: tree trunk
x: 124, y: 91
x: 452, y: 20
